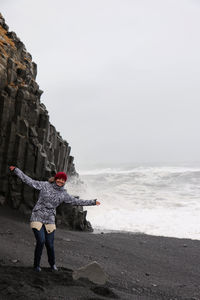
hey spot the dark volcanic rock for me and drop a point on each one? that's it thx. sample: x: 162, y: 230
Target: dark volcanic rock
x: 27, y: 139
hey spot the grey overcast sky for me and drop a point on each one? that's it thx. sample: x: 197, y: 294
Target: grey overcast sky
x: 121, y: 78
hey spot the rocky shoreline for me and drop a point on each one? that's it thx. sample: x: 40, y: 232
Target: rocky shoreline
x: 137, y: 266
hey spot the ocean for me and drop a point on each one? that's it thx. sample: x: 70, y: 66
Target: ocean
x: 158, y: 200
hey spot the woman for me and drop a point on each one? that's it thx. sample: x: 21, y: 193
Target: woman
x: 43, y: 214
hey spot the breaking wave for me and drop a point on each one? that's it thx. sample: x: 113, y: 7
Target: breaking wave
x: 153, y: 200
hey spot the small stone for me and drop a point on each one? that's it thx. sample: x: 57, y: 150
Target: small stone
x: 15, y: 261
x: 142, y: 242
x: 147, y: 274
x: 67, y: 240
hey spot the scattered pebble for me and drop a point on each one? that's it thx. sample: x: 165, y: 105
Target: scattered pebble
x: 153, y: 284
x: 66, y: 240
x: 6, y: 232
x: 15, y: 261
x: 142, y: 242
x: 182, y: 285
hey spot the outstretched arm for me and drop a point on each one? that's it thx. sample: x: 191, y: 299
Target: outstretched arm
x: 26, y: 179
x: 74, y: 201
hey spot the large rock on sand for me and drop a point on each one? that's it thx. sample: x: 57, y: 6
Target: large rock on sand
x: 92, y: 272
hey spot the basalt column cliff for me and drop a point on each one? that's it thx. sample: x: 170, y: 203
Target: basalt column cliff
x: 27, y: 139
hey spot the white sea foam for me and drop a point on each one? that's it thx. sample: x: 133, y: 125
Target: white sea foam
x: 154, y: 200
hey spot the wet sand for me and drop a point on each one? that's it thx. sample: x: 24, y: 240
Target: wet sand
x: 138, y: 266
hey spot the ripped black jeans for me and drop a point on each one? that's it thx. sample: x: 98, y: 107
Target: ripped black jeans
x: 47, y: 239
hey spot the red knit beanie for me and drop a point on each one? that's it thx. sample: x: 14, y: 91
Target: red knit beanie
x: 61, y: 175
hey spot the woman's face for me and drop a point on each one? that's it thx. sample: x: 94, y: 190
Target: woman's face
x: 60, y: 182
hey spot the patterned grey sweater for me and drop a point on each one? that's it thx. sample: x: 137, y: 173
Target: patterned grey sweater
x: 50, y: 196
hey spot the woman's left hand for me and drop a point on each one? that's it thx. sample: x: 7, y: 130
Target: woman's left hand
x: 97, y: 202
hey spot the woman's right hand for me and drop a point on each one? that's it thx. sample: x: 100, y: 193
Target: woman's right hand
x: 12, y: 168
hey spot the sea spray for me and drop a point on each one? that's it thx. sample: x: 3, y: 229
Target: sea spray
x: 154, y: 200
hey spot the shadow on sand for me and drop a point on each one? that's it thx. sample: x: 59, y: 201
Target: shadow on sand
x: 18, y: 282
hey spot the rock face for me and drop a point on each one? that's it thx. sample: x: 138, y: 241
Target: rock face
x: 27, y: 139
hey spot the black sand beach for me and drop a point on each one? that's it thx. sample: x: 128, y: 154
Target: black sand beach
x: 138, y: 266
